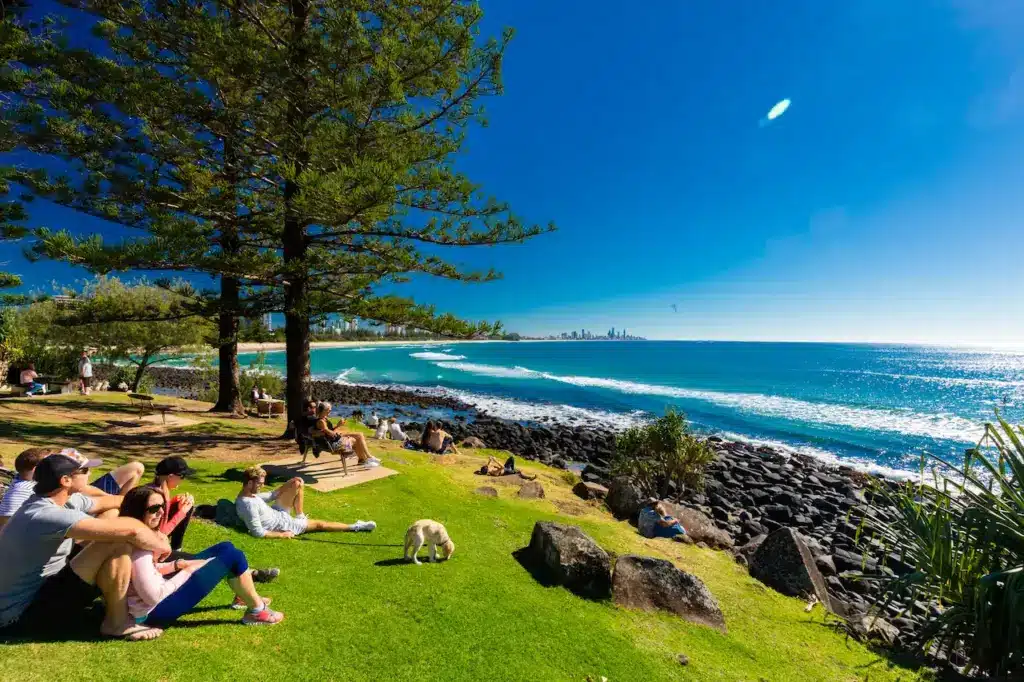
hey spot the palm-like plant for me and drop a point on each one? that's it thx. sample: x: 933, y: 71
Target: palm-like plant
x: 964, y: 536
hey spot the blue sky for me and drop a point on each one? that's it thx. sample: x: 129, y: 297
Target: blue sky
x: 885, y: 205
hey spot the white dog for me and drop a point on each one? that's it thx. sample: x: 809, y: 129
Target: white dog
x: 382, y: 430
x: 427, y: 531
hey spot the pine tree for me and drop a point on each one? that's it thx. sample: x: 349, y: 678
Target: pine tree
x: 301, y: 152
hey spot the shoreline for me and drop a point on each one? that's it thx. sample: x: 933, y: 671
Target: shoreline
x: 277, y: 346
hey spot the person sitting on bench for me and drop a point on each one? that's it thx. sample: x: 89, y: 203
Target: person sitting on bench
x: 27, y: 380
x: 344, y: 441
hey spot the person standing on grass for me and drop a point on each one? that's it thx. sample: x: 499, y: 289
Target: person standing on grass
x: 162, y: 591
x: 85, y: 372
x: 43, y: 588
x: 266, y: 521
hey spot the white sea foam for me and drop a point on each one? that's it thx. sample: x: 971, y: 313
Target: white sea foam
x: 491, y: 370
x: 902, y: 421
x: 436, y: 356
x: 344, y: 377
x: 948, y: 382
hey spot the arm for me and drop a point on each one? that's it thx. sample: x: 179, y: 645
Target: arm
x: 120, y: 529
x: 250, y: 519
x: 148, y: 582
x: 181, y: 511
x: 3, y: 521
x: 102, y: 501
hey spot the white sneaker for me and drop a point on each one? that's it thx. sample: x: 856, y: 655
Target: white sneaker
x: 363, y: 526
x: 302, y: 517
x: 372, y: 462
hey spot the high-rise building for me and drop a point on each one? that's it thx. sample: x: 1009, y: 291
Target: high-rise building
x: 268, y: 322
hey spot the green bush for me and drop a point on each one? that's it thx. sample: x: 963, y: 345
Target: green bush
x: 259, y: 373
x: 126, y: 374
x: 964, y: 536
x: 662, y: 452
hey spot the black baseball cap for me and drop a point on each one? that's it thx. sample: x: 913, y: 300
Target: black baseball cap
x: 174, y: 465
x: 52, y: 469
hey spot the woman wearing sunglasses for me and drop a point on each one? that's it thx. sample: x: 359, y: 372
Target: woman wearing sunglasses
x: 163, y: 591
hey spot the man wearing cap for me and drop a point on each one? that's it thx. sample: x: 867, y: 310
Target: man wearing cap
x: 40, y: 589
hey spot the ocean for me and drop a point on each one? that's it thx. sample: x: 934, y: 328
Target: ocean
x: 875, y: 407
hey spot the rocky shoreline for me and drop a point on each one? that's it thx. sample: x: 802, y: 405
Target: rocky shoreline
x: 750, y: 490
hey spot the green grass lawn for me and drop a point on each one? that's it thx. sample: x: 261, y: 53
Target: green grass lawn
x: 354, y: 613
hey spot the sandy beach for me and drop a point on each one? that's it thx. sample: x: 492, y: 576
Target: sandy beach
x: 246, y: 347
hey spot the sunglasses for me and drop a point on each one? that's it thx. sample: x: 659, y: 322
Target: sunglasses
x: 154, y: 508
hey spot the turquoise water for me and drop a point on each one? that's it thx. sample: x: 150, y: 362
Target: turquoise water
x: 877, y: 407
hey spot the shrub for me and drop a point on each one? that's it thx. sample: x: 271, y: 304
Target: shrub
x: 964, y: 536
x: 660, y: 453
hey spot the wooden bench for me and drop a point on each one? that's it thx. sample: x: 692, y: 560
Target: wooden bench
x: 147, y: 406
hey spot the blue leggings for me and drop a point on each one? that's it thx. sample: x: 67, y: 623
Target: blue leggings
x: 226, y: 560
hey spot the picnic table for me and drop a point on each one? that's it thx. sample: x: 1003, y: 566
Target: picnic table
x: 269, y: 407
x: 146, y: 405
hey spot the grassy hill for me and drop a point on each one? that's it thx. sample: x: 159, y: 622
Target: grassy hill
x: 354, y: 613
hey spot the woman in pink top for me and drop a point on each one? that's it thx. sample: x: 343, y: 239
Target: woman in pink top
x: 161, y: 592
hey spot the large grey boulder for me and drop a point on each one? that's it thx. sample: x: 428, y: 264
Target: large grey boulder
x: 700, y: 526
x: 569, y: 557
x: 590, y: 491
x: 624, y: 499
x: 646, y: 583
x: 784, y: 563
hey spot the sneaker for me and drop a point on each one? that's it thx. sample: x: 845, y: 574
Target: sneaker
x: 262, y: 617
x: 265, y: 575
x: 363, y: 526
x: 239, y: 605
x: 302, y: 517
x: 372, y: 462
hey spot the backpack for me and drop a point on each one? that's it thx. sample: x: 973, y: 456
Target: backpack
x: 227, y: 515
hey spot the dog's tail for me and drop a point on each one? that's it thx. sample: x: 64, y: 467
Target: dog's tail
x: 408, y: 543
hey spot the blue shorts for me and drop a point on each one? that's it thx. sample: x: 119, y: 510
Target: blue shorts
x: 107, y: 484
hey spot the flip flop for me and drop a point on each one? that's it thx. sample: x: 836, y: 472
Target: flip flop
x: 137, y: 633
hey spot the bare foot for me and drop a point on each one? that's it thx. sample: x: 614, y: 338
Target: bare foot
x: 132, y: 633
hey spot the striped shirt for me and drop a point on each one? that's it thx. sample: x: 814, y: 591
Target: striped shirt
x: 16, y: 495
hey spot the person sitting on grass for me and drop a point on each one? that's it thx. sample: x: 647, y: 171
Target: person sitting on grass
x: 437, y: 440
x: 123, y: 478
x: 46, y: 583
x: 656, y: 521
x: 265, y: 521
x: 170, y: 472
x: 22, y: 487
x: 396, y: 432
x: 163, y: 591
x: 345, y: 441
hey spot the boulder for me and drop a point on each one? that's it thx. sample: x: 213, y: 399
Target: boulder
x: 747, y: 551
x: 532, y: 490
x: 872, y: 628
x: 473, y: 442
x: 570, y: 558
x: 590, y: 491
x: 624, y: 499
x: 784, y: 563
x: 700, y: 527
x: 486, y: 491
x: 647, y: 583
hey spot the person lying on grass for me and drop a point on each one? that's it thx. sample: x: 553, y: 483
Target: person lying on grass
x: 123, y: 478
x: 343, y: 440
x: 264, y: 521
x: 46, y: 582
x: 163, y: 591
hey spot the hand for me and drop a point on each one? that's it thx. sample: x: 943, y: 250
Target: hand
x: 190, y: 565
x: 287, y: 535
x: 162, y: 556
x: 187, y: 502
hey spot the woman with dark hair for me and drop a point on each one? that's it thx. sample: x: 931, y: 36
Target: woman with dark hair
x: 437, y: 440
x: 343, y: 441
x: 162, y: 592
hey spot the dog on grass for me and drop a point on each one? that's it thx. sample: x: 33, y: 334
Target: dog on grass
x: 427, y: 532
x: 382, y: 430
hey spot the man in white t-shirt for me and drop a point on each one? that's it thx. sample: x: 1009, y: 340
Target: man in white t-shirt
x: 45, y: 587
x: 23, y: 485
x: 85, y: 372
x: 396, y: 433
x: 266, y: 521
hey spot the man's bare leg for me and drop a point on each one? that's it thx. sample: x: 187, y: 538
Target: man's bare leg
x: 108, y: 566
x: 314, y: 526
x: 290, y: 495
x: 128, y: 476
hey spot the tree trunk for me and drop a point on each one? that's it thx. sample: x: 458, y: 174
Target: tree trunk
x: 229, y: 392
x: 143, y: 363
x: 296, y: 305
